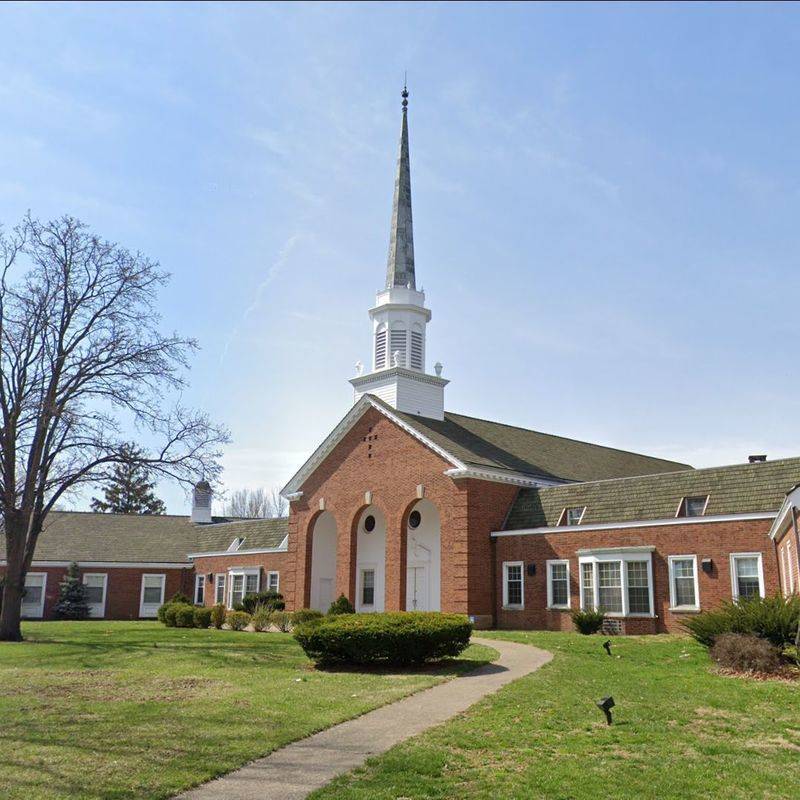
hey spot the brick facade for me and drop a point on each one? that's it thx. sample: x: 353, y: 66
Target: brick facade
x: 269, y: 562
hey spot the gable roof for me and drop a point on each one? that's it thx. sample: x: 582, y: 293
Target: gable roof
x: 258, y: 534
x: 737, y: 489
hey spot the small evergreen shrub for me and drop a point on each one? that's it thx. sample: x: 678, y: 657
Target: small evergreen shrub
x: 71, y: 602
x: 202, y: 617
x: 161, y: 614
x: 184, y: 615
x: 341, y: 605
x: 180, y: 597
x: 282, y: 621
x: 237, y: 620
x: 272, y: 600
x: 304, y: 615
x: 588, y: 622
x: 746, y: 653
x: 218, y: 614
x: 391, y: 639
x: 170, y: 613
x: 262, y: 618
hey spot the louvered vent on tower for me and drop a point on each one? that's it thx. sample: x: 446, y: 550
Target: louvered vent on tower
x: 397, y: 344
x: 380, y: 349
x: 416, y: 350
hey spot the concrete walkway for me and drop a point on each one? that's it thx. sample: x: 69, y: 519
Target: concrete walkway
x: 298, y: 769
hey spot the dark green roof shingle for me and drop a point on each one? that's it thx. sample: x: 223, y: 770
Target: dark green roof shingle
x: 258, y: 534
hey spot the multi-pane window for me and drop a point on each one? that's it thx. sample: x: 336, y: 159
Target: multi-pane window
x: 587, y: 584
x: 153, y: 592
x: 609, y: 581
x: 251, y: 583
x: 272, y: 581
x: 380, y: 348
x: 558, y: 584
x: 638, y: 587
x: 692, y: 506
x: 199, y: 589
x: 367, y: 587
x: 512, y: 585
x: 573, y: 516
x: 237, y: 589
x: 683, y: 574
x: 219, y: 589
x: 746, y: 573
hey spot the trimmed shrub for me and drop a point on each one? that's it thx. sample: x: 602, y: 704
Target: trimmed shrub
x: 773, y: 618
x: 304, y: 615
x: 237, y: 620
x: 588, y: 622
x: 746, y: 653
x: 184, y: 615
x: 180, y: 597
x: 262, y: 618
x: 282, y: 620
x: 272, y: 600
x: 202, y: 617
x: 218, y: 614
x: 162, y: 612
x: 170, y: 613
x: 341, y: 605
x: 395, y: 639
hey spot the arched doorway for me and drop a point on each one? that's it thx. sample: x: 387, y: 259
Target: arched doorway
x: 370, y: 560
x: 424, y: 558
x: 323, y: 562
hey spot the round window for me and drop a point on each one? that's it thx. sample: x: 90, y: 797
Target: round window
x: 369, y: 524
x: 414, y: 519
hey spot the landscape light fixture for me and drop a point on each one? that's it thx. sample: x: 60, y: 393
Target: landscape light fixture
x: 607, y: 646
x: 605, y: 705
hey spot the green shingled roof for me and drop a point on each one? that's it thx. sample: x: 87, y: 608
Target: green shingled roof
x: 738, y: 489
x: 481, y: 443
x: 258, y: 534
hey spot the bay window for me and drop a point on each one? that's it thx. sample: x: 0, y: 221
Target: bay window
x: 242, y: 582
x: 618, y: 582
x: 684, y: 592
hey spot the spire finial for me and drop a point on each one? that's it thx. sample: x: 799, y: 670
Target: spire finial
x: 404, y: 93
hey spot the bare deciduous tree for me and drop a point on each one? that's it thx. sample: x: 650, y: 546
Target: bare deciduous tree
x: 81, y: 354
x: 256, y: 504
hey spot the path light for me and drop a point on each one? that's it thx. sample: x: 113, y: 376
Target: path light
x: 605, y: 705
x: 607, y: 646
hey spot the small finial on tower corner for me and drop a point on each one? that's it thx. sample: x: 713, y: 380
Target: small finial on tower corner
x: 437, y: 367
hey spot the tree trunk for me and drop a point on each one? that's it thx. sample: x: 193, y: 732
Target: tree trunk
x: 14, y: 581
x: 10, y: 630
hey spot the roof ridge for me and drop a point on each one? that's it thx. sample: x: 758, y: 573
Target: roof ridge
x: 114, y: 513
x: 245, y: 521
x: 571, y: 439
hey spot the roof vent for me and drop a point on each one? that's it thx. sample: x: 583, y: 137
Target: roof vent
x: 757, y: 459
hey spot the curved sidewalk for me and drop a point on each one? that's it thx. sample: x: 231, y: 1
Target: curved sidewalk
x: 298, y: 769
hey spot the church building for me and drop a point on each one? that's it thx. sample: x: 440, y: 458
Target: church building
x: 406, y: 505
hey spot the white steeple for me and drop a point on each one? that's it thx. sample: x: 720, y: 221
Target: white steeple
x: 399, y: 317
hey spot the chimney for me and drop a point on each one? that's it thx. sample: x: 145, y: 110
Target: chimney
x: 757, y: 459
x: 201, y: 502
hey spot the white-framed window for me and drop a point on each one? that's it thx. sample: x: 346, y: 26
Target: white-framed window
x: 273, y: 581
x: 199, y: 590
x: 513, y: 585
x: 618, y: 582
x: 558, y: 584
x: 152, y: 595
x: 96, y: 584
x: 789, y: 566
x: 368, y: 587
x: 33, y: 600
x: 219, y: 588
x: 572, y: 515
x: 692, y: 506
x: 684, y: 589
x: 747, y: 575
x: 241, y: 582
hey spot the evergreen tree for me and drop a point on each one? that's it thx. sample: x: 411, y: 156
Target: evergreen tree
x: 72, y: 596
x: 129, y: 489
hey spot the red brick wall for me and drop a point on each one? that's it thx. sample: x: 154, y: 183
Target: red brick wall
x: 269, y: 562
x: 715, y: 540
x: 123, y: 587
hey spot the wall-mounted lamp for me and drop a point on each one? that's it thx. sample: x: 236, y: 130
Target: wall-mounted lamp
x: 707, y: 565
x: 531, y: 569
x: 210, y: 577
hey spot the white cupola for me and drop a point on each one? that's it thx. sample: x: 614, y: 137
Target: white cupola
x: 201, y: 502
x: 399, y: 317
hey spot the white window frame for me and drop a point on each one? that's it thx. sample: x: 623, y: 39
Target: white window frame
x: 789, y: 566
x: 672, y: 588
x: 104, y: 576
x: 621, y: 556
x: 734, y: 578
x: 373, y: 568
x: 550, y: 564
x: 277, y: 580
x: 200, y: 584
x: 244, y: 572
x: 681, y: 505
x: 40, y: 607
x: 514, y: 606
x: 163, y: 577
x: 220, y: 585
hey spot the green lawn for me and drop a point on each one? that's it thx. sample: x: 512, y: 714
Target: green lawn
x: 133, y: 709
x: 680, y: 732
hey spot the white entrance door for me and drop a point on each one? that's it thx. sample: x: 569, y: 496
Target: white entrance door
x: 417, y: 589
x: 325, y: 594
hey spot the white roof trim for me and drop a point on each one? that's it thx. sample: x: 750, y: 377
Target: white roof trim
x: 500, y: 476
x: 791, y: 501
x: 644, y: 523
x: 112, y: 564
x: 338, y: 433
x: 592, y: 551
x: 281, y: 548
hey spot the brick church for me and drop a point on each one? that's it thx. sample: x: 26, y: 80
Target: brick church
x: 406, y: 505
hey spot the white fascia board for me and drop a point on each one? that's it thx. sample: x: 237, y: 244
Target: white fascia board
x: 644, y: 523
x: 112, y: 564
x: 591, y: 551
x: 281, y: 548
x: 500, y: 476
x: 784, y: 513
x: 338, y: 433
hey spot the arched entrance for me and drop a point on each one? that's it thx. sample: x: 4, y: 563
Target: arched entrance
x: 370, y: 560
x: 323, y: 562
x: 423, y: 558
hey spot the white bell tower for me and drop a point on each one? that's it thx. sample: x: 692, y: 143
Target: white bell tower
x: 399, y: 317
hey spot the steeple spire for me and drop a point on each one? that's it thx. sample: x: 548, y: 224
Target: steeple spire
x: 400, y: 265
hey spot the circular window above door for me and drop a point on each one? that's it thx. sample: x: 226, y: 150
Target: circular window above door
x: 414, y: 519
x: 369, y: 524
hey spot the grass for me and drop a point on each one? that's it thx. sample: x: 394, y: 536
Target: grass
x: 133, y: 709
x: 679, y: 731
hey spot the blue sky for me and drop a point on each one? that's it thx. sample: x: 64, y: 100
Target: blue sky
x: 605, y: 204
